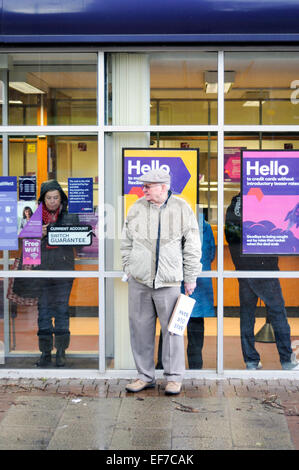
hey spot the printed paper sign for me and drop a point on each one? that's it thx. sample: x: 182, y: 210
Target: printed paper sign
x: 182, y: 164
x: 70, y: 235
x: 270, y: 202
x: 80, y: 195
x: 31, y: 148
x: 27, y: 188
x: 181, y: 314
x: 32, y: 251
x: 232, y: 164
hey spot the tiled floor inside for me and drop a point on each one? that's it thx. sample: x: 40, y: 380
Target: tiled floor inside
x: 85, y: 342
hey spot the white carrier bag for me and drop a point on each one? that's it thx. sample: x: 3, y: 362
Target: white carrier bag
x: 181, y: 314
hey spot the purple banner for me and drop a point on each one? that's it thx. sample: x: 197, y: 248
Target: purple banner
x: 8, y: 213
x: 270, y: 202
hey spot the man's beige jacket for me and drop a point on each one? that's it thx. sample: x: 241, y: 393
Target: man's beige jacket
x: 161, y: 245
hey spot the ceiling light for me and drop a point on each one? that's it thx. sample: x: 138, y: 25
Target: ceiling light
x: 13, y: 102
x: 211, y: 81
x: 211, y: 87
x: 253, y: 104
x: 254, y: 98
x: 25, y: 88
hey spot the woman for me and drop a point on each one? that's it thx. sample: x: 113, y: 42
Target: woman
x: 204, y: 296
x: 54, y: 293
x: 27, y: 213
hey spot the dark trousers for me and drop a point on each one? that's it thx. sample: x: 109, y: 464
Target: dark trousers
x: 269, y: 291
x: 54, y: 303
x: 195, y: 335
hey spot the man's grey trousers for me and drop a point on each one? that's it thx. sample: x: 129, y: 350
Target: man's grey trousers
x: 145, y: 304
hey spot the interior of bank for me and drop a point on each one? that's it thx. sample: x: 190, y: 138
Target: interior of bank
x: 159, y: 89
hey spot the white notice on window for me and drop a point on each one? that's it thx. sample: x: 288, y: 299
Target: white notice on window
x: 70, y: 235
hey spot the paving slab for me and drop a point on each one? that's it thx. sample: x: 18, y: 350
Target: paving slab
x: 202, y: 420
x: 219, y: 415
x: 86, y: 424
x: 24, y: 438
x: 255, y: 426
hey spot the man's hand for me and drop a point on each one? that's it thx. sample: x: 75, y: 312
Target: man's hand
x: 189, y: 287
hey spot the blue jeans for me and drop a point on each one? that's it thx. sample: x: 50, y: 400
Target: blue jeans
x: 269, y: 291
x: 54, y: 303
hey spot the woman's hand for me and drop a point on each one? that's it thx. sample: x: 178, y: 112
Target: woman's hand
x: 44, y: 234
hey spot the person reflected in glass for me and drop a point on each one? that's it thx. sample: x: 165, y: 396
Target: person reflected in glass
x: 53, y: 301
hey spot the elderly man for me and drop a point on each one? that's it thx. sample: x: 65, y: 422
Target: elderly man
x: 160, y: 248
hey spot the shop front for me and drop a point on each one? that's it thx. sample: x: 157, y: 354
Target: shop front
x: 94, y: 114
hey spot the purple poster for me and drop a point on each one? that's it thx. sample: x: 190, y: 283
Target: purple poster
x: 33, y: 227
x: 270, y: 202
x: 31, y: 251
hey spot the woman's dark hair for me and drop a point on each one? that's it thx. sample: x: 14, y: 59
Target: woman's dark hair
x: 27, y: 208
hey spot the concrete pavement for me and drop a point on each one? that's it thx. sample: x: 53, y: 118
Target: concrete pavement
x: 97, y: 414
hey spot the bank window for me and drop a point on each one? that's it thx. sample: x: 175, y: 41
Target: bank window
x: 202, y: 189
x: 253, y: 338
x: 201, y: 333
x: 261, y: 88
x: 288, y: 144
x: 162, y: 88
x: 52, y: 89
x: 60, y: 161
x: 268, y: 329
x: 30, y: 331
x: 68, y: 160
